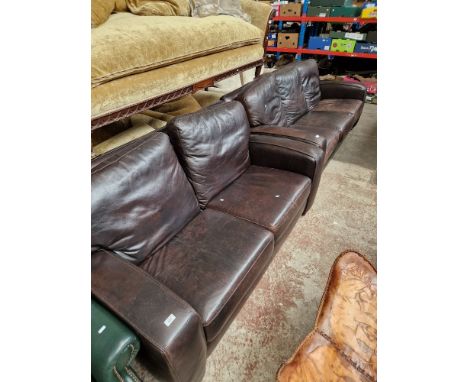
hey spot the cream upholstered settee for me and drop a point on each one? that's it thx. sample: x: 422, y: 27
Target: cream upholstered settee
x: 139, y: 62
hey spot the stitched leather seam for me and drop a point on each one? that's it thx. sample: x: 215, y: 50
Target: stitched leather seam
x: 132, y: 354
x: 132, y: 374
x: 299, y: 139
x: 96, y: 170
x: 286, y: 148
x: 116, y: 373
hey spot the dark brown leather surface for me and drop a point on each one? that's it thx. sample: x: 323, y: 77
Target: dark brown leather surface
x: 289, y: 155
x: 332, y: 137
x: 343, y: 344
x: 283, y: 96
x: 310, y: 80
x: 176, y: 352
x: 140, y: 198
x: 113, y: 154
x: 212, y: 146
x: 291, y: 133
x: 342, y: 90
x: 214, y: 264
x: 262, y: 103
x: 265, y: 196
x: 342, y: 122
x: 349, y: 105
x: 288, y: 86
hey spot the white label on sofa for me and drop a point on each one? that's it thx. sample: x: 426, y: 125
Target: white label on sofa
x: 169, y: 320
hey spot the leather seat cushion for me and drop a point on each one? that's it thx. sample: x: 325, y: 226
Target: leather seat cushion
x: 213, y: 264
x: 331, y: 136
x: 290, y: 133
x: 125, y: 44
x: 265, y: 196
x: 353, y: 106
x: 343, y: 122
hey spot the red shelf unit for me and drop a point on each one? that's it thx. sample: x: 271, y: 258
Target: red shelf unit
x: 343, y: 20
x: 321, y: 52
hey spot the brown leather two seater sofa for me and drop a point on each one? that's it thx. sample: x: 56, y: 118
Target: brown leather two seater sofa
x: 184, y: 224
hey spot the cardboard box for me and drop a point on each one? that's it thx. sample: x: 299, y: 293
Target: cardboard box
x: 365, y: 47
x: 318, y: 11
x: 345, y: 12
x: 319, y: 43
x: 355, y: 36
x: 291, y: 9
x: 369, y: 13
x: 340, y: 45
x: 337, y: 34
x: 288, y: 40
x: 372, y: 37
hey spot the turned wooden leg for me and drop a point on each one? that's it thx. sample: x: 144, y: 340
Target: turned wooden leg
x: 258, y: 69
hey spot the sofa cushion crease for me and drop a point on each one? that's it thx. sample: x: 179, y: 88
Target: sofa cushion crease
x: 209, y: 264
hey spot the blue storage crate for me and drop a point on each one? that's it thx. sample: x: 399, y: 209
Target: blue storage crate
x: 365, y: 47
x: 320, y: 43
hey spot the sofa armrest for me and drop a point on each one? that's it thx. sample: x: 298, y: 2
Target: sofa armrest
x: 289, y: 155
x: 259, y: 13
x: 172, y: 338
x: 342, y: 89
x: 113, y: 347
x: 291, y: 133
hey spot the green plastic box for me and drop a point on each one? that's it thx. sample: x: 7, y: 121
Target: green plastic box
x: 318, y: 11
x: 331, y: 3
x: 340, y: 45
x: 337, y: 34
x: 345, y: 12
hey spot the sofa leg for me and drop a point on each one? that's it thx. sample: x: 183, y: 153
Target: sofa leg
x: 258, y: 69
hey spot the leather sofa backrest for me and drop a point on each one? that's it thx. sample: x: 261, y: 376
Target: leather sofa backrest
x: 282, y: 97
x: 310, y: 81
x: 289, y: 89
x: 213, y: 147
x: 262, y: 104
x: 140, y: 198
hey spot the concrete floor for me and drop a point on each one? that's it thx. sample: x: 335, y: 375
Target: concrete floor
x: 281, y: 310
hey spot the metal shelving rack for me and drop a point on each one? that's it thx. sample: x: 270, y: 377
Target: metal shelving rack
x: 304, y: 20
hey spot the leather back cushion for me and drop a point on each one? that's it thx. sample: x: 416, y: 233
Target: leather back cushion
x: 140, y: 198
x: 282, y: 97
x: 310, y: 80
x: 262, y: 103
x: 213, y: 147
x: 289, y: 89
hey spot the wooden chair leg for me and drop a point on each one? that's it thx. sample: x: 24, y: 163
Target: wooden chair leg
x: 258, y: 69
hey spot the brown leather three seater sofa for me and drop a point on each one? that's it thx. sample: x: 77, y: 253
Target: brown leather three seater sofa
x: 186, y: 221
x: 292, y: 103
